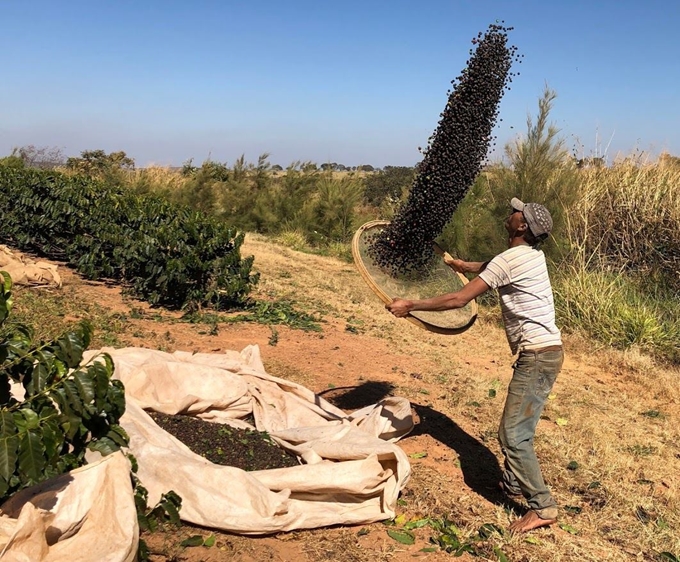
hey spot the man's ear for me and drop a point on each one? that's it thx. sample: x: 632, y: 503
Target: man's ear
x: 522, y: 228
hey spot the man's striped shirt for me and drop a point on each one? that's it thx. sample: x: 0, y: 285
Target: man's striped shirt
x: 521, y: 277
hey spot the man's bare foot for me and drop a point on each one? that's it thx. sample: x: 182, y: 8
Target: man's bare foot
x: 530, y: 521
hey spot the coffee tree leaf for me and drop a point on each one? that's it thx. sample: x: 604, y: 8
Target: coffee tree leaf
x: 103, y: 445
x: 118, y: 435
x: 115, y: 400
x: 9, y: 443
x: 194, y: 540
x: 31, y: 456
x: 85, y: 384
x: 401, y: 536
x: 73, y: 397
x: 170, y: 505
x: 40, y: 375
x: 53, y: 438
x: 101, y: 377
x: 5, y: 295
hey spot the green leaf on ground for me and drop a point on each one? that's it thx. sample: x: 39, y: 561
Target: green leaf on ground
x: 417, y: 523
x: 652, y: 414
x: 500, y: 554
x: 195, y: 540
x: 532, y: 540
x: 488, y: 529
x: 418, y: 455
x: 568, y: 528
x: 403, y: 537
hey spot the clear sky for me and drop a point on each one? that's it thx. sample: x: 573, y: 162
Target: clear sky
x: 353, y: 82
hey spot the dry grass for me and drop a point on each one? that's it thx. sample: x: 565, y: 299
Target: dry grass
x: 629, y: 213
x: 156, y: 179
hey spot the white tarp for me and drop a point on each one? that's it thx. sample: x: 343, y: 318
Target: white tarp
x: 85, y: 515
x: 25, y: 271
x: 351, y: 471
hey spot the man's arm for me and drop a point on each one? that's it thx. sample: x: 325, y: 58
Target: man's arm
x: 401, y: 307
x: 461, y: 266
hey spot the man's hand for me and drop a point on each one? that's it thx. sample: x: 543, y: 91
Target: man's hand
x: 400, y: 307
x: 455, y: 264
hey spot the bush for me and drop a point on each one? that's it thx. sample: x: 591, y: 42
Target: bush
x: 65, y: 409
x: 167, y: 254
x: 628, y: 216
x: 334, y: 208
x: 389, y: 183
x: 294, y: 239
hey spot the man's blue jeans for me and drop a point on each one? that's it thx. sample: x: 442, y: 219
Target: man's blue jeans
x: 534, y: 374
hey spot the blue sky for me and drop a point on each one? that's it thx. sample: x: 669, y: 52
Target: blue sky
x: 350, y: 82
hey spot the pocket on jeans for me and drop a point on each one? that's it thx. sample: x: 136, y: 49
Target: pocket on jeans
x: 549, y: 366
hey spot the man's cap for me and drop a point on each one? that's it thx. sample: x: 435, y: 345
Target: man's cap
x: 537, y: 216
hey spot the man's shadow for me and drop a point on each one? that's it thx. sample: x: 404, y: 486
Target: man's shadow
x: 480, y: 467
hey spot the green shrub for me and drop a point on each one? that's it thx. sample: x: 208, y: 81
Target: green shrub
x: 294, y: 239
x: 65, y: 409
x: 389, y: 183
x: 333, y: 215
x: 628, y: 216
x: 167, y: 254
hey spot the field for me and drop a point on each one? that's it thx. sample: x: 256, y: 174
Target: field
x: 609, y: 439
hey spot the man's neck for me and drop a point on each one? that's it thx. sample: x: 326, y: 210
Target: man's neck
x: 517, y: 241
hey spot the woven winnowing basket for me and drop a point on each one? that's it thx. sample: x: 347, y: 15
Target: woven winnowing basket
x: 438, y: 279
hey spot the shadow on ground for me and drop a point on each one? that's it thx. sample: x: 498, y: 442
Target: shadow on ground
x: 355, y: 397
x: 480, y: 467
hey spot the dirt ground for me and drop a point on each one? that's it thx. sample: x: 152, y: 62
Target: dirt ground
x: 456, y: 385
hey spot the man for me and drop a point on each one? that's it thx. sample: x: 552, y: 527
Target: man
x: 521, y: 277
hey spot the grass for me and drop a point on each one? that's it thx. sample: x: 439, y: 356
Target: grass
x: 612, y: 308
x: 52, y: 312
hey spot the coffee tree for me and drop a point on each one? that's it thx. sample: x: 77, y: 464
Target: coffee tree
x: 52, y: 408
